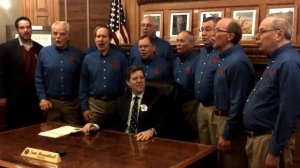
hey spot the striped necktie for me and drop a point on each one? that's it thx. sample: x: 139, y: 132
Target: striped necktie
x: 134, y: 116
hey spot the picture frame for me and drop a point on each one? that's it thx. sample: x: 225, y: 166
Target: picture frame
x: 291, y: 11
x: 207, y: 13
x: 248, y: 19
x: 158, y: 19
x: 180, y: 20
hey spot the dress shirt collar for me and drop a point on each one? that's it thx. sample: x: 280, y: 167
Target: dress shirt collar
x: 186, y: 56
x: 61, y: 49
x: 148, y: 61
x: 140, y: 96
x: 209, y: 49
x: 105, y: 55
x: 280, y: 50
x: 27, y: 46
x: 230, y: 50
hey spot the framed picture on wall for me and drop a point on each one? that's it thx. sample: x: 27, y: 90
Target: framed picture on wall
x: 158, y: 19
x: 248, y: 21
x: 206, y: 14
x: 290, y: 11
x: 180, y: 20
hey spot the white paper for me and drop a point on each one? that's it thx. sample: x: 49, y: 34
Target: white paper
x: 61, y: 131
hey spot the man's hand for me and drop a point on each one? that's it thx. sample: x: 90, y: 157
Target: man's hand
x: 88, y: 128
x: 145, y: 135
x: 272, y: 161
x: 224, y: 145
x: 45, y: 105
x: 87, y: 116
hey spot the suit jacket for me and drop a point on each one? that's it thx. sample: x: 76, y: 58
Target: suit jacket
x: 148, y: 118
x: 12, y: 68
x: 12, y: 79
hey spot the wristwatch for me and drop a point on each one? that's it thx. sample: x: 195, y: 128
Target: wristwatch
x: 154, y: 131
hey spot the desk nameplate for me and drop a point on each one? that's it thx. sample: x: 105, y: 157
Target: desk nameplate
x: 41, y: 155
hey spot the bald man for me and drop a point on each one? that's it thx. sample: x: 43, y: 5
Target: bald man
x: 272, y: 108
x: 233, y: 81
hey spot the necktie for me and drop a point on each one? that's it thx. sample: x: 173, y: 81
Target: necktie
x: 134, y: 116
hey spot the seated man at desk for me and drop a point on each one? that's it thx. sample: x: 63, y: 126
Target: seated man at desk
x: 138, y: 111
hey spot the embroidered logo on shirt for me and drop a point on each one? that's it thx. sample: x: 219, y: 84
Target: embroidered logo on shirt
x: 157, y: 70
x: 271, y: 71
x: 215, y: 59
x: 188, y: 69
x: 72, y: 58
x: 222, y: 71
x: 115, y: 64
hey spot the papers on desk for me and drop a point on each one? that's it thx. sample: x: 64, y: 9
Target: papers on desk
x: 61, y: 131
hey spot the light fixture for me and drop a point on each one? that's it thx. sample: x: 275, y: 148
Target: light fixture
x: 5, y: 4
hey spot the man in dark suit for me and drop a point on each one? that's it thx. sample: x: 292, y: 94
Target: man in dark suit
x: 17, y: 66
x: 147, y: 121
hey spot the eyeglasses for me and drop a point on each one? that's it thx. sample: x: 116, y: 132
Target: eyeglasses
x: 147, y: 25
x: 260, y: 32
x: 219, y: 30
x: 206, y: 29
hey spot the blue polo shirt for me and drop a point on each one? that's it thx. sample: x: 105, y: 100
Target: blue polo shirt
x: 58, y: 72
x: 184, y: 70
x: 163, y: 50
x: 274, y: 103
x: 102, y: 75
x: 233, y: 82
x: 204, y: 75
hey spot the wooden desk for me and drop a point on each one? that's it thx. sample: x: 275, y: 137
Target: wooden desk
x: 104, y: 149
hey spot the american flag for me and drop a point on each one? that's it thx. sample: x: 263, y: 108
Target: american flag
x: 116, y: 22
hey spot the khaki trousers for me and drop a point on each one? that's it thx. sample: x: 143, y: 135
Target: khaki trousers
x: 68, y: 112
x: 257, y: 149
x: 101, y: 110
x: 207, y: 128
x: 236, y: 158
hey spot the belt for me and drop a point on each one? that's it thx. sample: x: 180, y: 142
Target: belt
x: 220, y: 112
x: 253, y: 134
x: 103, y: 98
x: 62, y: 98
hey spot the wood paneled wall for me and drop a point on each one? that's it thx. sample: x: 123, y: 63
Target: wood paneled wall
x: 84, y: 15
x: 41, y: 12
x: 206, y: 5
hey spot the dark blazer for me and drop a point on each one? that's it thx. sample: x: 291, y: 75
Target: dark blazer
x: 151, y: 118
x: 20, y: 98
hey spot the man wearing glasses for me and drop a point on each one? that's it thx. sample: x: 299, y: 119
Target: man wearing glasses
x: 204, y: 75
x: 270, y: 113
x: 233, y: 81
x: 163, y: 48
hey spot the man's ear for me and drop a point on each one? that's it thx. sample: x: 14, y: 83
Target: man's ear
x: 280, y: 35
x: 127, y: 82
x: 231, y: 36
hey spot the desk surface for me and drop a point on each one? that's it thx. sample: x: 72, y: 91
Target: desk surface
x: 104, y: 149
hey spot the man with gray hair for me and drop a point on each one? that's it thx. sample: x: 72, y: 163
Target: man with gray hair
x: 272, y: 108
x: 204, y: 82
x: 183, y: 73
x: 57, y: 77
x: 233, y: 81
x: 163, y: 48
